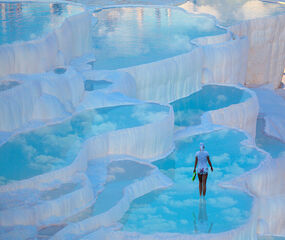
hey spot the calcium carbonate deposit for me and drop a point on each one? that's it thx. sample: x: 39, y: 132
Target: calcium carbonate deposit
x: 103, y: 105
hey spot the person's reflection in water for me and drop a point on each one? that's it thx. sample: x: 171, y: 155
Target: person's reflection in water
x: 202, y: 226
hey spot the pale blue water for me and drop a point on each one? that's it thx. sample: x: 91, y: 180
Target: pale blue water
x: 8, y: 85
x: 188, y: 110
x: 23, y: 21
x: 125, y: 37
x: 63, y: 189
x: 272, y: 145
x: 56, y: 146
x: 120, y: 175
x: 271, y: 238
x: 91, y: 85
x: 232, y: 12
x: 59, y: 70
x: 113, y: 190
x: 178, y: 208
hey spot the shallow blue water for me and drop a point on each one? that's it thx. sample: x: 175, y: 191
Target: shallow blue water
x: 8, y: 85
x: 120, y: 174
x: 125, y: 37
x: 91, y: 85
x: 53, y: 147
x: 23, y: 21
x: 271, y: 238
x: 231, y: 12
x: 188, y: 110
x: 178, y: 208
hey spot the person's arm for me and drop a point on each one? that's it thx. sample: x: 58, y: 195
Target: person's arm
x: 209, y: 161
x: 196, y: 161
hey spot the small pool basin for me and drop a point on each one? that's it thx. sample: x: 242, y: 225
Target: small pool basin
x: 188, y: 110
x: 53, y: 147
x: 179, y: 208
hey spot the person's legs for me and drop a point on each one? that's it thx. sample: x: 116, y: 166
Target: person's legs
x: 200, y: 183
x: 204, y: 182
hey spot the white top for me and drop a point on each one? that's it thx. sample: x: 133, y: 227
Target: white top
x: 202, y: 159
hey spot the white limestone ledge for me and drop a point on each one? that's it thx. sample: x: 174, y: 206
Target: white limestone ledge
x: 42, y: 207
x: 265, y: 180
x: 71, y: 39
x: 121, y: 81
x: 242, y: 115
x: 266, y: 49
x: 214, y: 39
x: 226, y: 62
x: 144, y: 142
x: 168, y: 79
x: 270, y: 212
x: 39, y: 97
x: 272, y: 109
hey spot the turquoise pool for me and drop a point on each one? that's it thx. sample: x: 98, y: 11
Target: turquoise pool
x: 130, y: 36
x: 179, y: 208
x: 53, y: 147
x: 24, y: 21
x: 188, y: 110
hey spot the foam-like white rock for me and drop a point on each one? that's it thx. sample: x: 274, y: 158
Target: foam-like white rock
x: 169, y: 79
x: 70, y: 40
x: 145, y: 142
x: 29, y: 100
x: 47, y: 108
x: 225, y: 62
x: 74, y: 36
x: 156, y: 180
x: 98, y: 99
x: 272, y: 108
x: 242, y: 115
x: 264, y: 181
x: 29, y: 57
x: 16, y: 106
x: 266, y: 49
x: 43, y: 211
x: 270, y: 213
x: 121, y: 81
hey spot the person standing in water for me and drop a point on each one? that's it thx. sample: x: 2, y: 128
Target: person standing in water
x: 202, y: 159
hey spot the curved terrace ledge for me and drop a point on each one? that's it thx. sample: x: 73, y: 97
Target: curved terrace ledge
x: 142, y: 142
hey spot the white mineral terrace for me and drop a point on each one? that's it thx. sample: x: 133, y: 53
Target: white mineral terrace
x: 81, y: 148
